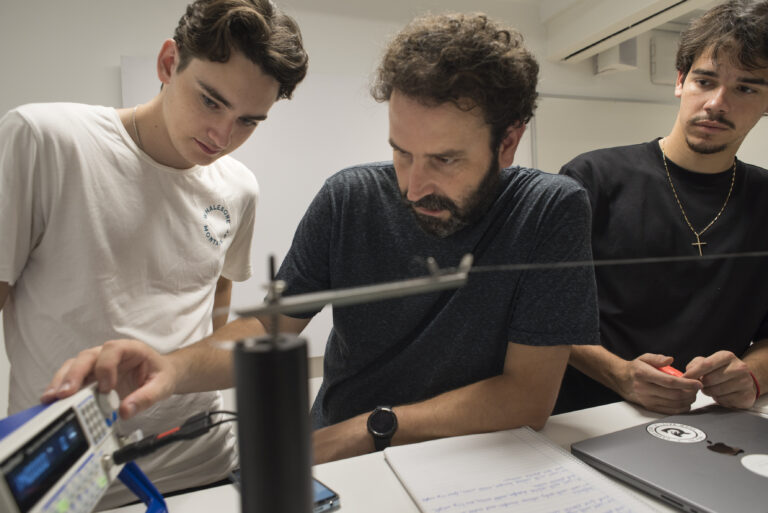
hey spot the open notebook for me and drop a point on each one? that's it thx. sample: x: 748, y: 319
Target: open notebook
x: 517, y: 470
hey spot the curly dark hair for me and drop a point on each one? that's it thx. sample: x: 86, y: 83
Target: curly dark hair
x: 466, y: 59
x: 213, y: 29
x: 737, y: 26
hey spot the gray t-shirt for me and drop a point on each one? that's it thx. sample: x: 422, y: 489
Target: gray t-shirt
x: 358, y: 232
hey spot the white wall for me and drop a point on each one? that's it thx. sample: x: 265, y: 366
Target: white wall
x: 4, y: 372
x: 70, y: 51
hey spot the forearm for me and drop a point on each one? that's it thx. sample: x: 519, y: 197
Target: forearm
x: 207, y: 364
x: 523, y: 395
x: 501, y: 402
x: 600, y: 364
x: 489, y: 405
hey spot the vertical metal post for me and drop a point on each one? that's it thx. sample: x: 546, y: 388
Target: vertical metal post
x: 273, y: 424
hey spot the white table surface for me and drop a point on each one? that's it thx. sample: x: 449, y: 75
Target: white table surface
x: 366, y: 484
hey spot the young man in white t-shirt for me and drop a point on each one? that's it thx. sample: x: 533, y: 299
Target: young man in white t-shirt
x: 131, y: 223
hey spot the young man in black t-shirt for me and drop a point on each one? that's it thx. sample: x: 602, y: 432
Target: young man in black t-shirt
x: 684, y: 195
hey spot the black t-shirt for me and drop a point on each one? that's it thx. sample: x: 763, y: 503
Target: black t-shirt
x: 683, y: 309
x: 357, y: 231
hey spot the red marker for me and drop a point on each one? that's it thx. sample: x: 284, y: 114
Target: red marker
x: 668, y: 369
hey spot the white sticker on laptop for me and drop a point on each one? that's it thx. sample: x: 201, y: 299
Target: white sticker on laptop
x: 757, y: 463
x: 674, y: 432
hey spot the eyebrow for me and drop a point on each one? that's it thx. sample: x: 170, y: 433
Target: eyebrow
x: 218, y: 97
x: 745, y: 80
x: 396, y: 147
x: 442, y: 154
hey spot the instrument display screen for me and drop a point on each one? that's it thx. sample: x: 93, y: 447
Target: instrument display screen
x: 32, y: 470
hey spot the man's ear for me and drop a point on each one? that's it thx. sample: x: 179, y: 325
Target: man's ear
x: 679, y: 83
x: 167, y: 60
x: 509, y: 143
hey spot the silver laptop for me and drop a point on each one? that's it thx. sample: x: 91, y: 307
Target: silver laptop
x: 710, y: 460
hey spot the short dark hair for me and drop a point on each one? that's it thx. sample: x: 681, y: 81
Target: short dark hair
x: 739, y: 27
x: 213, y: 29
x: 466, y: 59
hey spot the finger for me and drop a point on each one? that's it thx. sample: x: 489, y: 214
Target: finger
x: 77, y: 373
x: 113, y: 356
x: 656, y: 377
x: 650, y: 372
x: 143, y: 397
x: 671, y: 401
x: 51, y: 390
x: 740, y: 399
x: 656, y: 360
x: 669, y: 404
x: 672, y: 395
x: 699, y: 367
x: 695, y: 363
x: 664, y: 399
x: 724, y: 385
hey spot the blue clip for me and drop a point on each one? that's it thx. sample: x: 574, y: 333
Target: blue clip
x: 142, y: 487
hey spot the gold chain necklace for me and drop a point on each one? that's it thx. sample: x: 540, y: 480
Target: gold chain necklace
x: 698, y: 234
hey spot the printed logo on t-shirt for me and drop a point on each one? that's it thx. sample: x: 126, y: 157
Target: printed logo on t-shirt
x: 216, y: 224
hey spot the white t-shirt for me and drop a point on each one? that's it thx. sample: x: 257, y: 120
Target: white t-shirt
x: 101, y: 242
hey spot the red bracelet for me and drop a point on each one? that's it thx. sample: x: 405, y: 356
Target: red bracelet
x: 757, y: 385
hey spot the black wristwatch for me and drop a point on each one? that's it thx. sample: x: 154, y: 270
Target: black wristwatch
x: 382, y: 424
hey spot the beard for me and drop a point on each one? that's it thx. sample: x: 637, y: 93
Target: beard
x: 705, y: 148
x: 475, y: 206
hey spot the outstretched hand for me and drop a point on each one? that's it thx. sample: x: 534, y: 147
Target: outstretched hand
x: 141, y: 375
x: 643, y: 383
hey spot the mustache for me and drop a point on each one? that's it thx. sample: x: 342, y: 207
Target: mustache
x: 717, y: 118
x: 433, y: 202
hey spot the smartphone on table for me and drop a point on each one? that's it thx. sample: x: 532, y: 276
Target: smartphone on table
x: 325, y: 499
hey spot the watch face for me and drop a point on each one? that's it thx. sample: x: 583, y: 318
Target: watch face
x: 382, y: 422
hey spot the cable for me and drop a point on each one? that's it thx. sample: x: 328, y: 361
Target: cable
x: 195, y: 426
x: 224, y: 412
x: 613, y: 262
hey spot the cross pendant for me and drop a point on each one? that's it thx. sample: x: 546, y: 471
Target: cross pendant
x: 698, y: 244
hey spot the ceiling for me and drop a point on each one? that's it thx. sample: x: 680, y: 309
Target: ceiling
x: 575, y: 29
x: 394, y: 10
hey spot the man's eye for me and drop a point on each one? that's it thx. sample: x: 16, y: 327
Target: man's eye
x: 208, y: 102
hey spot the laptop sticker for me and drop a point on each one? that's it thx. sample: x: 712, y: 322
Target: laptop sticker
x: 757, y: 463
x: 674, y: 432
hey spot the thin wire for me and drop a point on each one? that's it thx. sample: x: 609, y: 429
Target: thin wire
x: 221, y: 422
x: 615, y: 261
x: 581, y: 263
x: 223, y: 412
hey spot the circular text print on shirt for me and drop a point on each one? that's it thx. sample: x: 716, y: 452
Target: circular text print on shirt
x: 673, y: 432
x: 216, y: 224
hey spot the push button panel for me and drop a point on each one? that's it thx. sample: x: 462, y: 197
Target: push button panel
x: 81, y: 492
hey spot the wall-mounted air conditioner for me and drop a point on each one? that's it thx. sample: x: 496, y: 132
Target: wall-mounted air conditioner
x: 578, y: 29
